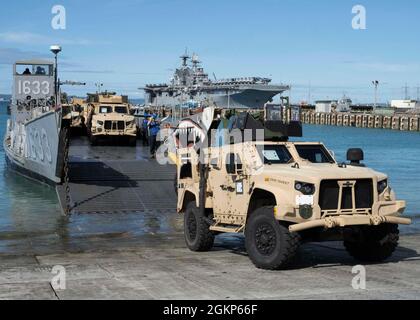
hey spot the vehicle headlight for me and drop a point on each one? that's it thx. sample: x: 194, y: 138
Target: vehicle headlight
x: 100, y: 123
x: 305, y: 188
x: 382, y: 185
x: 129, y: 123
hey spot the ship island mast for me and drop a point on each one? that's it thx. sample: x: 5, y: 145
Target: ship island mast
x: 185, y: 58
x: 195, y: 61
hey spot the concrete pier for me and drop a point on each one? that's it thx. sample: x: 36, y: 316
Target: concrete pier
x: 160, y: 267
x: 377, y: 121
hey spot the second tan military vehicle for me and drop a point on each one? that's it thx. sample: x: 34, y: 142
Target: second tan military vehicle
x: 74, y: 113
x: 108, y: 116
x: 279, y: 193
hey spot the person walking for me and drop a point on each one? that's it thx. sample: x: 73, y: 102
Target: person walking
x: 153, y: 127
x: 145, y: 129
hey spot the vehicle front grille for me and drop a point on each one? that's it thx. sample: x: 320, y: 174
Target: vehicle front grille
x: 114, y: 125
x: 331, y: 199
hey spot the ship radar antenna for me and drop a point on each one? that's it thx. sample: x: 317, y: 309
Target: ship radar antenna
x: 56, y: 49
x: 195, y: 61
x: 185, y: 58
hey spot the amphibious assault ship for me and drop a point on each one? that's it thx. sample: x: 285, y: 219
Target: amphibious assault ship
x: 190, y: 82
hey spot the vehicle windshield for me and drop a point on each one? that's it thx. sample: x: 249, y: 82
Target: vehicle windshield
x: 120, y: 109
x: 105, y: 109
x: 276, y: 154
x: 314, y: 153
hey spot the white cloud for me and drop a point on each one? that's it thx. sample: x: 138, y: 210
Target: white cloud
x: 35, y: 38
x: 10, y: 55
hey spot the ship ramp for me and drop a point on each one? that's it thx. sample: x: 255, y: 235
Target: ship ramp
x: 117, y: 179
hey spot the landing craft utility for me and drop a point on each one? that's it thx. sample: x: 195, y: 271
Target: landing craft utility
x: 279, y: 193
x: 34, y: 137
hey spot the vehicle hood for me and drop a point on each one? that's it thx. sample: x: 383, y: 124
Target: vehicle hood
x: 114, y: 116
x: 317, y: 172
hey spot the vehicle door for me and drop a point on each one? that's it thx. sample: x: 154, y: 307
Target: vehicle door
x: 230, y: 187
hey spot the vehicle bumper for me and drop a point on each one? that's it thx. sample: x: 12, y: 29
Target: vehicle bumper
x: 382, y: 212
x: 114, y: 133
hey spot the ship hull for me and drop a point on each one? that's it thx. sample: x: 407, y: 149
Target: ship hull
x: 37, y: 157
x: 22, y: 170
x: 249, y: 98
x: 237, y: 98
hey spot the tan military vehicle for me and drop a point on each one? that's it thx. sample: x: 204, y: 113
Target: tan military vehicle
x: 74, y: 113
x: 108, y: 116
x: 279, y: 193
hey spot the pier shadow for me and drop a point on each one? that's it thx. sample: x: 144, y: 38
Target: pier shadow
x: 77, y: 132
x: 98, y: 173
x: 314, y: 254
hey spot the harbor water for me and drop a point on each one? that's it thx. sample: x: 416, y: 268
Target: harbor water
x: 31, y: 219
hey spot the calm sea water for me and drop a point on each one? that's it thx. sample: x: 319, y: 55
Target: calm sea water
x: 31, y: 220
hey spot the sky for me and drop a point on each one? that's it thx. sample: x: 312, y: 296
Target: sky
x: 308, y: 44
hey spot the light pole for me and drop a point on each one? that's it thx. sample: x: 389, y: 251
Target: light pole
x: 376, y: 84
x: 56, y: 49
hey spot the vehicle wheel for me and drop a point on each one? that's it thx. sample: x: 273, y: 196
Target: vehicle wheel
x: 198, y: 236
x: 93, y: 140
x: 373, y: 243
x: 132, y: 141
x: 270, y: 245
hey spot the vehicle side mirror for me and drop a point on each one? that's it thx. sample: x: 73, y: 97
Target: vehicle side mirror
x: 355, y: 155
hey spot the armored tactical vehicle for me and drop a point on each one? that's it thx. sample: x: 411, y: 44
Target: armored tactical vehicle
x: 74, y: 113
x: 108, y: 116
x: 277, y: 192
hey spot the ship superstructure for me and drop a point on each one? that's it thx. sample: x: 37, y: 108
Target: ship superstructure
x: 191, y: 82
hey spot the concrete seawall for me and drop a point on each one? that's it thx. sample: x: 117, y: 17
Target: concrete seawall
x: 363, y: 120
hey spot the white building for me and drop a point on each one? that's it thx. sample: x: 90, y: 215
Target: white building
x: 405, y: 104
x: 325, y: 105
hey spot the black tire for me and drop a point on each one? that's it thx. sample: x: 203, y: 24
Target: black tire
x: 93, y: 140
x: 270, y: 245
x: 373, y: 243
x: 197, y: 234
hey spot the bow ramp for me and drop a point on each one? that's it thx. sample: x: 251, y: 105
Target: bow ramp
x: 117, y: 179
